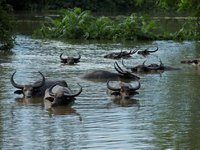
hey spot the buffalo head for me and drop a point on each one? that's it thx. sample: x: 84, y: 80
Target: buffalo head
x: 146, y: 68
x: 59, y: 95
x: 124, y: 91
x: 146, y: 52
x: 30, y: 90
x: 70, y: 60
x: 193, y: 61
x: 122, y: 54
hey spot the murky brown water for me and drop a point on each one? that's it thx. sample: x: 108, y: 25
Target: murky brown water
x: 166, y: 114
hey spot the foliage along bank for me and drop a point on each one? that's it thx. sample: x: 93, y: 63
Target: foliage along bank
x: 6, y: 30
x: 77, y: 24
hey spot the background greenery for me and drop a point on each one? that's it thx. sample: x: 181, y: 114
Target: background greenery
x: 81, y: 23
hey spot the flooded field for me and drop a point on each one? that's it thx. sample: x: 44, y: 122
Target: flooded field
x: 164, y: 115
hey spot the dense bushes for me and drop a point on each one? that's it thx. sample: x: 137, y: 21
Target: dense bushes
x: 75, y: 24
x: 6, y: 30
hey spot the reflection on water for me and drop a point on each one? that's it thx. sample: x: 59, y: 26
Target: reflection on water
x: 167, y: 116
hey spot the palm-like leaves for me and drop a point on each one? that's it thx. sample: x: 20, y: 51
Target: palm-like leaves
x: 81, y: 24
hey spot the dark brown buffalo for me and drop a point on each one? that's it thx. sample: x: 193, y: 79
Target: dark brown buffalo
x: 70, y: 60
x: 119, y: 55
x: 104, y: 76
x: 37, y: 89
x: 192, y: 61
x: 58, y: 95
x: 147, y: 52
x: 151, y: 68
x: 124, y: 91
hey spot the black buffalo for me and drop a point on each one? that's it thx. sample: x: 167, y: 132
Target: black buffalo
x: 58, y: 95
x: 70, y: 60
x: 123, y: 91
x: 147, y: 52
x: 151, y: 68
x: 119, y: 55
x: 37, y: 89
x: 103, y: 75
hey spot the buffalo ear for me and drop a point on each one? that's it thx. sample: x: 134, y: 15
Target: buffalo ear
x: 18, y: 92
x: 115, y: 93
x: 134, y: 93
x: 51, y: 99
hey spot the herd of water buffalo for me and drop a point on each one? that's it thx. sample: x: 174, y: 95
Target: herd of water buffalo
x: 58, y: 93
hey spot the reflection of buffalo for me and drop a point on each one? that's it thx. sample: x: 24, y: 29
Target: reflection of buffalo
x: 58, y: 95
x: 102, y: 75
x: 152, y: 68
x: 70, y: 60
x: 63, y: 110
x: 36, y: 89
x: 122, y: 54
x: 146, y: 52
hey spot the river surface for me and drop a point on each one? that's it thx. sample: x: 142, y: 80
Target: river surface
x: 165, y: 114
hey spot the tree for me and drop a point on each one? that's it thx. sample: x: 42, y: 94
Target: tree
x: 6, y: 29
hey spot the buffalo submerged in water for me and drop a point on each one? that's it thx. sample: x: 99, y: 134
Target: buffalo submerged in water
x: 58, y: 95
x: 37, y: 89
x: 103, y: 75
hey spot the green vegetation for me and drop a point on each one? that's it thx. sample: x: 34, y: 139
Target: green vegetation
x: 6, y: 30
x: 81, y: 24
x: 77, y: 24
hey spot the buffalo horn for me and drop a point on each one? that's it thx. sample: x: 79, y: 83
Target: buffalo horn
x: 62, y: 57
x: 137, y: 87
x: 118, y: 68
x: 112, y: 88
x: 40, y: 83
x: 14, y: 83
x: 153, y: 50
x: 77, y: 59
x: 74, y: 95
x: 50, y: 89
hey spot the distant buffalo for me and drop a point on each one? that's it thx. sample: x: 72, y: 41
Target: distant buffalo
x: 147, y: 52
x: 151, y: 68
x: 70, y: 60
x: 191, y: 61
x: 119, y: 55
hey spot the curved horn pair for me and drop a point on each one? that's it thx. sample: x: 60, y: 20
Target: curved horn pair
x: 66, y: 94
x: 152, y: 51
x: 118, y: 68
x: 79, y: 56
x: 118, y: 89
x: 19, y: 86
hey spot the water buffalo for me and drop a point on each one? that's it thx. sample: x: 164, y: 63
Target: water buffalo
x: 58, y: 95
x: 193, y: 61
x: 37, y: 89
x: 122, y: 54
x: 103, y: 76
x: 70, y: 60
x: 146, y: 52
x: 124, y: 91
x: 152, y: 68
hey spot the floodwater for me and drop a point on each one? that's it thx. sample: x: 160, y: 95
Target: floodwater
x: 165, y: 114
